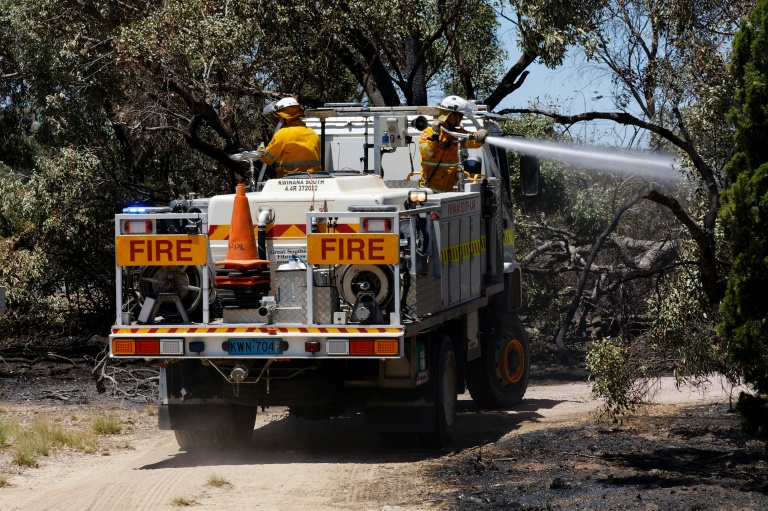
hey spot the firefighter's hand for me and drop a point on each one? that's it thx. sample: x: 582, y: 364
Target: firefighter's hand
x: 435, y: 130
x: 479, y: 136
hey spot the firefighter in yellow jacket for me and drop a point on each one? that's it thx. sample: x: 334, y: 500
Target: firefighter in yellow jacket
x: 439, y: 150
x: 294, y: 147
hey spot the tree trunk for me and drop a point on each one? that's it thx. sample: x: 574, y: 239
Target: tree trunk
x: 417, y: 95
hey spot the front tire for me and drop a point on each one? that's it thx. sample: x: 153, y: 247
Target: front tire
x: 499, y: 378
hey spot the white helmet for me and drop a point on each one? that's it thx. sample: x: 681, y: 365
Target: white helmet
x: 454, y: 104
x: 285, y: 103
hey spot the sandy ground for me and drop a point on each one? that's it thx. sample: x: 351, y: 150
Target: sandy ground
x: 292, y: 464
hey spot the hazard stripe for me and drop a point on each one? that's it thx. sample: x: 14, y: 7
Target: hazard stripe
x: 218, y: 232
x: 264, y: 330
x: 278, y: 230
x: 221, y: 232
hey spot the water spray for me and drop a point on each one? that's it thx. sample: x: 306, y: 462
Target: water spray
x: 645, y: 164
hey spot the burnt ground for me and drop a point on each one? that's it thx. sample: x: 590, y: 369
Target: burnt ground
x: 665, y: 457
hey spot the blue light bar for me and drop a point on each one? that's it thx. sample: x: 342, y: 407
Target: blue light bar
x: 138, y: 210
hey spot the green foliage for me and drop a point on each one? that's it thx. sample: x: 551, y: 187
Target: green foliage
x: 54, y: 250
x: 614, y: 375
x: 547, y: 28
x: 755, y: 412
x: 745, y: 307
x: 682, y: 337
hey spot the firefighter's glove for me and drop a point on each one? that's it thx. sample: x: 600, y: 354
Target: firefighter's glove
x: 435, y: 130
x: 479, y: 136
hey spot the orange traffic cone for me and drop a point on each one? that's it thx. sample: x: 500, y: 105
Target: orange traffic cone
x: 242, y: 253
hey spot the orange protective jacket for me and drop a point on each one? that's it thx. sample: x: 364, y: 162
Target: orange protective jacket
x: 294, y: 148
x: 440, y: 157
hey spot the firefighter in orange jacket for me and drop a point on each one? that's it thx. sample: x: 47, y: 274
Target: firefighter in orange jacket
x: 294, y: 147
x: 439, y: 150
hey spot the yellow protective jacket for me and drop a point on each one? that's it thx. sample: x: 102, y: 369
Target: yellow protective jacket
x: 294, y: 148
x: 440, y: 157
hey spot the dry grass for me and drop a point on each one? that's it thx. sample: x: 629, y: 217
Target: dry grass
x: 183, y: 502
x: 217, y: 481
x: 40, y: 437
x: 107, y: 424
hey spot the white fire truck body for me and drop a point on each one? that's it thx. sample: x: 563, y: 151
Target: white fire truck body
x: 366, y: 289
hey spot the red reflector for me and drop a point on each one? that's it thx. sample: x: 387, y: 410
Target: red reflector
x: 361, y: 347
x: 312, y: 346
x: 148, y: 347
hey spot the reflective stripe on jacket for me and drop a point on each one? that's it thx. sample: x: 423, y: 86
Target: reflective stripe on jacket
x: 439, y: 158
x: 294, y: 148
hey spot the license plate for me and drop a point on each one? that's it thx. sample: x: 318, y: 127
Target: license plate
x: 254, y: 346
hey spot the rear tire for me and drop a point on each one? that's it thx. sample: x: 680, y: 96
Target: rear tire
x: 499, y: 378
x: 444, y: 397
x: 191, y: 439
x: 236, y: 431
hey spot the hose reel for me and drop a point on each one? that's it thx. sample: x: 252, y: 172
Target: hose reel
x: 370, y: 288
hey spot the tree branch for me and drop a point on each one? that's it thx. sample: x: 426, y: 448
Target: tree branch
x: 559, y: 339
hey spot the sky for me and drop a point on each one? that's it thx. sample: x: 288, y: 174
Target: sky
x: 571, y: 87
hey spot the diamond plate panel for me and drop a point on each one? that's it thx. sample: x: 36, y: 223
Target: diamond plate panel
x: 325, y: 301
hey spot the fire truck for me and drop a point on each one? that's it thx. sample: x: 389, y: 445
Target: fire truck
x: 319, y: 291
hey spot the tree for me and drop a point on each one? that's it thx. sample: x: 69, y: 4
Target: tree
x: 148, y: 99
x: 667, y: 62
x: 745, y: 218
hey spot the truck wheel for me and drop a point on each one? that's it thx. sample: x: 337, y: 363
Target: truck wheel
x: 191, y: 439
x: 499, y: 378
x: 239, y: 429
x: 445, y: 397
x: 235, y: 431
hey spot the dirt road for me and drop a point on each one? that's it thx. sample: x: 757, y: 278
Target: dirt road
x: 293, y: 464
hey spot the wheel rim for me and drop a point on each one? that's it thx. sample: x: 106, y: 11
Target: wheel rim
x: 512, y: 361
